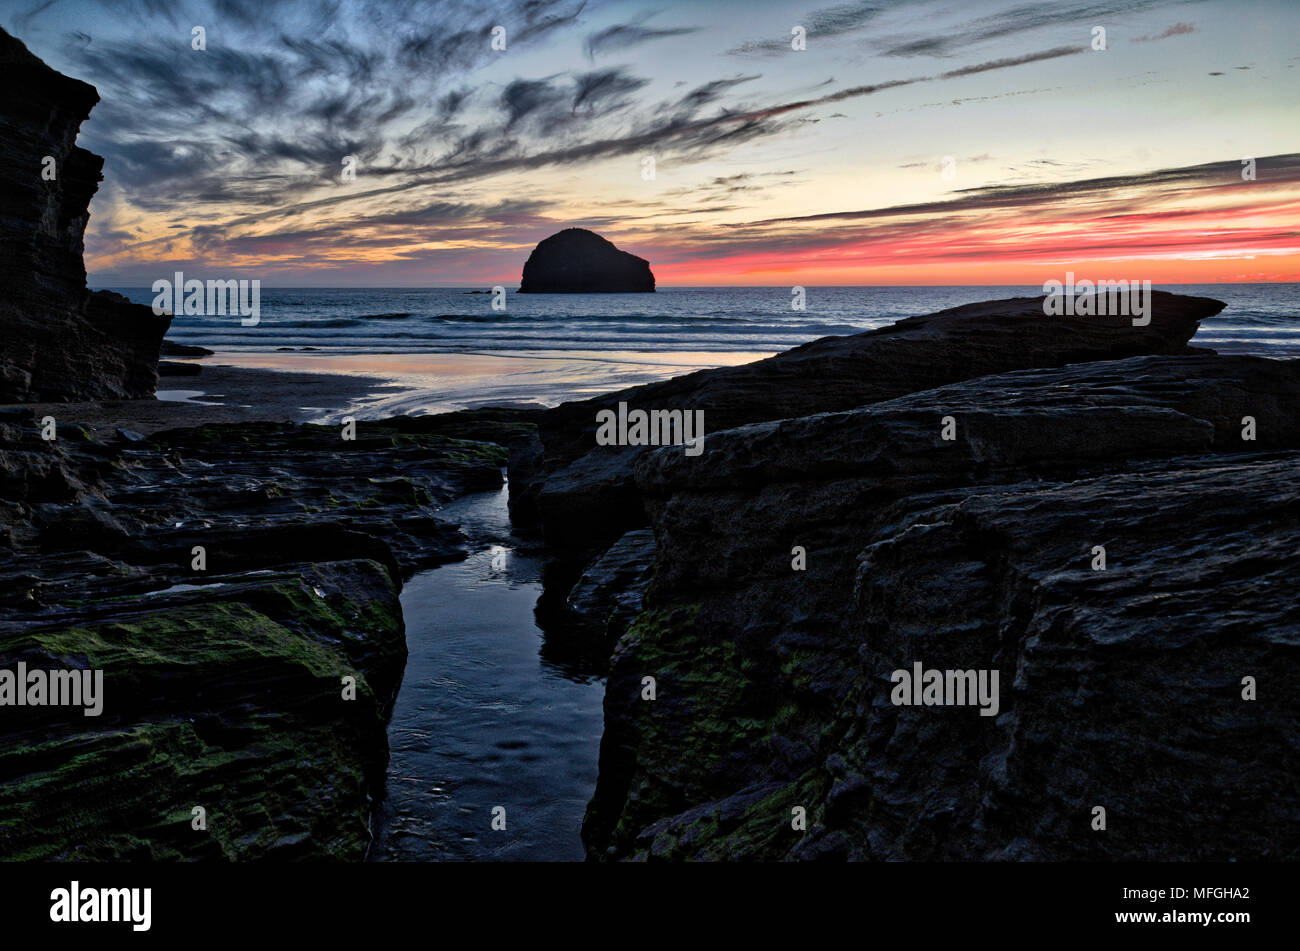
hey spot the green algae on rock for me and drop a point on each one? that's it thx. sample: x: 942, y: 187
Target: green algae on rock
x: 1122, y: 686
x: 255, y: 688
x: 230, y: 701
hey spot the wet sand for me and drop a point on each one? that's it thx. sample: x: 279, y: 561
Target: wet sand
x: 314, y: 387
x: 223, y: 395
x: 442, y: 382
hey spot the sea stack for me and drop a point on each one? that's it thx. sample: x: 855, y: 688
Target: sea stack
x: 578, y: 261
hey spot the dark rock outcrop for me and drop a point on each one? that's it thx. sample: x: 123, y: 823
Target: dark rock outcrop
x: 57, y: 340
x: 229, y: 698
x: 583, y: 496
x: 223, y: 685
x: 610, y: 593
x: 578, y: 261
x: 1120, y: 688
x: 170, y: 348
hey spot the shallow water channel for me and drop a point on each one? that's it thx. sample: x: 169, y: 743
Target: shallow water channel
x: 482, y: 719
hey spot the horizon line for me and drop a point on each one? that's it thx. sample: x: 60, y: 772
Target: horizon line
x: 371, y: 287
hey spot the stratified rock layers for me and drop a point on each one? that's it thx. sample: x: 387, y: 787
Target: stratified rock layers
x: 1120, y: 688
x: 58, y: 341
x: 237, y: 585
x: 577, y: 261
x: 583, y: 495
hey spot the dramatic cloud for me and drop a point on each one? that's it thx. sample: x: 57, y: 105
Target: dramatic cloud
x: 1014, y: 21
x: 466, y: 151
x: 1013, y: 61
x: 674, y: 129
x: 1178, y: 29
x: 1279, y: 170
x: 827, y: 23
x: 625, y: 35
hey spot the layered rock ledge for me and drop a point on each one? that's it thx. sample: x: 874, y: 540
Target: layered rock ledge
x: 579, y: 492
x: 223, y: 681
x: 582, y: 497
x: 1121, y: 688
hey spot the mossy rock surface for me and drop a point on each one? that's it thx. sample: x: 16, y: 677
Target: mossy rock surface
x: 227, y: 697
x: 226, y: 578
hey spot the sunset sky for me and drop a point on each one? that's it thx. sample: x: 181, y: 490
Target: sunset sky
x: 771, y: 165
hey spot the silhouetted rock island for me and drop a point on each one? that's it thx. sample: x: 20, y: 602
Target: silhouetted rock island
x: 578, y: 261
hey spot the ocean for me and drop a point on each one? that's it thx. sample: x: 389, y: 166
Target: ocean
x: 1261, y: 319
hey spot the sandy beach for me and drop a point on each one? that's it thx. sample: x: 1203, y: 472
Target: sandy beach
x: 300, y: 387
x: 417, y: 383
x: 219, y: 395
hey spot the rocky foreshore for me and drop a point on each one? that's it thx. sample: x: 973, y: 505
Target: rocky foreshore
x: 1118, y: 539
x: 782, y: 577
x: 202, y: 638
x: 227, y: 580
x: 1094, y: 520
x: 581, y: 496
